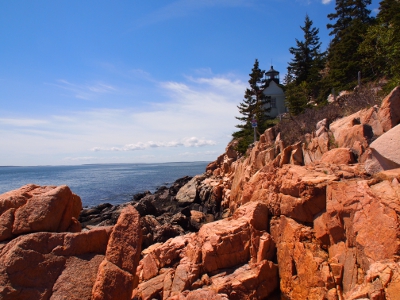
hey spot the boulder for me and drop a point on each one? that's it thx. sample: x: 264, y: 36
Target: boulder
x: 200, y: 294
x: 257, y: 281
x: 370, y: 117
x: 315, y: 147
x: 303, y: 267
x: 294, y: 191
x: 384, y: 152
x: 112, y: 283
x: 33, y: 209
x: 389, y: 112
x: 338, y: 156
x: 115, y: 277
x: 361, y: 225
x: 188, y: 192
x: 183, y: 264
x: 44, y: 265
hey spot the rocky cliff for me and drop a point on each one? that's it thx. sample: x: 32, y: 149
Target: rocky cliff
x: 315, y: 220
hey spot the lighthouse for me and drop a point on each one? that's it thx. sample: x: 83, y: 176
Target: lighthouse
x: 274, y: 90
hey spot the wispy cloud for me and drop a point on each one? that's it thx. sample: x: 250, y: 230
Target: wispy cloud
x: 182, y: 8
x: 197, y: 112
x: 199, y: 154
x: 326, y: 1
x: 22, y: 122
x: 85, y: 91
x: 186, y: 142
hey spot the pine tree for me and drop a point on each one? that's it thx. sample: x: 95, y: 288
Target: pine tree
x: 302, y: 80
x: 352, y: 20
x: 253, y: 106
x: 389, y: 13
x: 297, y: 97
x: 307, y: 54
x: 342, y: 17
x: 380, y: 48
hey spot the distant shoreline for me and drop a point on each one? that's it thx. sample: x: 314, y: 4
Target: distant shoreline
x: 102, y: 164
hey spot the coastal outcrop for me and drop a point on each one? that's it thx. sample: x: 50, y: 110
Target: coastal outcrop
x: 34, y: 208
x: 40, y: 259
x: 230, y: 258
x: 318, y: 219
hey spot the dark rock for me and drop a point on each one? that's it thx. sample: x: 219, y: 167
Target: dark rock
x: 146, y: 207
x: 167, y: 231
x: 139, y: 196
x: 162, y: 216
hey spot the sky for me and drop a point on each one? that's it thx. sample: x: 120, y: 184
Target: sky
x: 132, y: 81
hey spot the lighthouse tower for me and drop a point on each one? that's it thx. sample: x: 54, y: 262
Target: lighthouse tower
x: 276, y: 93
x: 272, y: 75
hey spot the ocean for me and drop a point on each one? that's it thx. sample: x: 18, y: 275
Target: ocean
x: 101, y: 183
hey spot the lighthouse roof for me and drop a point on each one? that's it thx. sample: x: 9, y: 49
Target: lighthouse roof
x: 272, y: 71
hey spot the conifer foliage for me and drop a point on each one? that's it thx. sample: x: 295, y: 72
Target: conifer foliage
x: 302, y: 80
x: 352, y: 18
x: 380, y: 47
x: 253, y: 106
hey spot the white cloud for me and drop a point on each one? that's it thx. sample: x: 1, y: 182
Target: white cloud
x: 186, y: 142
x: 85, y: 91
x: 84, y: 158
x: 214, y: 154
x: 181, y: 8
x: 196, y: 112
x: 326, y: 1
x: 22, y: 122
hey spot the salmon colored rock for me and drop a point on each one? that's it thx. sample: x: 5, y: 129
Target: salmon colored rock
x: 303, y: 267
x: 200, y: 295
x: 124, y: 246
x: 292, y: 190
x: 70, y: 286
x: 389, y: 112
x: 384, y: 152
x: 182, y: 266
x: 339, y: 156
x: 115, y: 277
x: 303, y: 221
x: 38, y: 265
x: 112, y: 283
x: 33, y: 209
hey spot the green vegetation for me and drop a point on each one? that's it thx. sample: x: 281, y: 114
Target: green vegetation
x: 252, y: 107
x: 360, y: 43
x: 304, y: 71
x: 381, y: 45
x: 293, y: 128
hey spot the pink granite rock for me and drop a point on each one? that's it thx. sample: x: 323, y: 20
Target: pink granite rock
x: 33, y: 209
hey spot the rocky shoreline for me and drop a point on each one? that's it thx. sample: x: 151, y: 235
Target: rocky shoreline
x: 168, y: 212
x: 313, y: 220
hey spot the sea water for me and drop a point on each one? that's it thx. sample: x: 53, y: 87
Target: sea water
x: 101, y: 183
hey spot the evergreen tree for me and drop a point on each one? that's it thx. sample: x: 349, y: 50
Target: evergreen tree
x: 381, y: 45
x: 389, y: 13
x: 302, y: 80
x: 297, y: 97
x: 342, y: 17
x: 252, y: 107
x: 307, y: 55
x: 352, y: 20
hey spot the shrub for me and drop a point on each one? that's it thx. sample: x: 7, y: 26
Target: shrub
x: 293, y: 128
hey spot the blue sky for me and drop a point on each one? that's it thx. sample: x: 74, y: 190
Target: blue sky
x: 136, y: 81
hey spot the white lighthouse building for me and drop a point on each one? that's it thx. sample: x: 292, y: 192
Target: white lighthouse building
x: 276, y: 93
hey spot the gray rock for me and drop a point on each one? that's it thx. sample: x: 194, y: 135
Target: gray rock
x: 384, y: 152
x: 187, y: 194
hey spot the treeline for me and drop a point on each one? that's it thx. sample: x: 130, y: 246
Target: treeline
x: 360, y: 44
